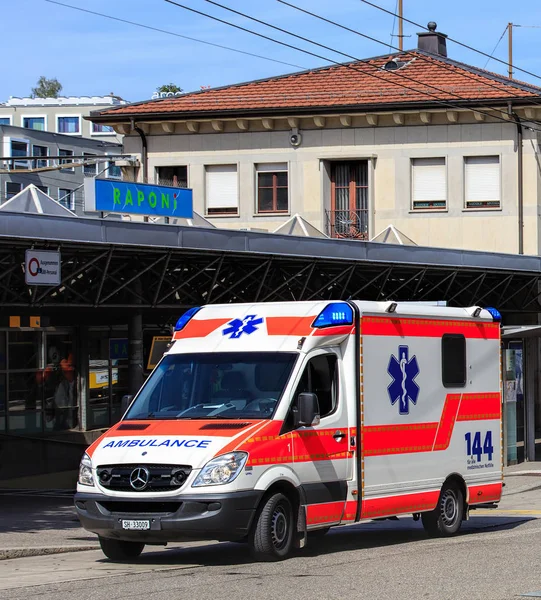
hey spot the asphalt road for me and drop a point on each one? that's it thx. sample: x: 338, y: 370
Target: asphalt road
x: 497, y: 556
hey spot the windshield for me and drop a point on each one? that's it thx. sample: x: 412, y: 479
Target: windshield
x: 239, y: 385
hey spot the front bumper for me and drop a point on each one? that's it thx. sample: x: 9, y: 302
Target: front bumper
x: 224, y: 517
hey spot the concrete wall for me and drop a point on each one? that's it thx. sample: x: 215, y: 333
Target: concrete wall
x: 389, y: 150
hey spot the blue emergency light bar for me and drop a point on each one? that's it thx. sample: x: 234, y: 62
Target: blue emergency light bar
x: 183, y: 321
x: 336, y: 313
x: 495, y: 313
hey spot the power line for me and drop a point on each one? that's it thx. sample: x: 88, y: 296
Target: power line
x: 185, y: 37
x: 443, y: 65
x: 496, y: 46
x: 438, y: 100
x: 389, y: 12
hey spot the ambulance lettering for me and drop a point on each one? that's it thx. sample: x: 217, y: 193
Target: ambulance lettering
x: 154, y: 443
x: 403, y: 388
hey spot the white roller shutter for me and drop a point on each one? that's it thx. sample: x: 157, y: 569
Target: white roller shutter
x: 429, y: 183
x: 222, y: 189
x: 271, y: 167
x: 482, y: 176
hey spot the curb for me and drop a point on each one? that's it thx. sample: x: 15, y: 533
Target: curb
x: 518, y: 473
x: 8, y: 553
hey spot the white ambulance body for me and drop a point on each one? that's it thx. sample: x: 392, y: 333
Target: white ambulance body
x: 264, y: 422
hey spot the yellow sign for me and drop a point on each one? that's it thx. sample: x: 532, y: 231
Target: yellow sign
x: 160, y: 344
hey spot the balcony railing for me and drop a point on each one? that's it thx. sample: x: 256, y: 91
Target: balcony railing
x: 349, y: 224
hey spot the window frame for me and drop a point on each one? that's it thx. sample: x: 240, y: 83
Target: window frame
x: 10, y: 118
x: 69, y: 169
x: 6, y: 189
x: 76, y: 116
x: 467, y: 208
x: 89, y: 155
x: 415, y: 209
x: 224, y: 211
x: 30, y: 116
x: 40, y: 156
x: 111, y: 163
x: 95, y: 133
x: 71, y: 205
x: 20, y: 163
x: 445, y: 383
x: 274, y: 189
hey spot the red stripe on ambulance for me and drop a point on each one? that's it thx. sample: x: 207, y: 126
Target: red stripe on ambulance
x: 402, y: 504
x: 490, y: 492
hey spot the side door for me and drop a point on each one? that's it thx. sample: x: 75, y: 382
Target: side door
x: 321, y: 453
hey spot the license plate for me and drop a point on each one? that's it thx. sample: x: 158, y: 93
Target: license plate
x: 135, y: 525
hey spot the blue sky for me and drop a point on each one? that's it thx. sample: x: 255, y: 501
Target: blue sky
x: 91, y: 55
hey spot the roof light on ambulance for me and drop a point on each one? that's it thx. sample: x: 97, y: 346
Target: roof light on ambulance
x: 185, y: 318
x: 494, y: 312
x: 336, y: 313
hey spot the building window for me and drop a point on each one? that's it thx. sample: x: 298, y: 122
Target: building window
x: 453, y: 360
x: 90, y: 170
x: 34, y: 123
x: 173, y: 176
x: 12, y: 189
x: 63, y: 161
x: 66, y: 198
x: 43, y: 188
x: 222, y: 190
x: 20, y: 148
x: 482, y: 181
x: 113, y: 172
x: 5, y: 120
x: 429, y: 184
x: 40, y: 151
x: 99, y: 129
x: 272, y: 188
x: 348, y: 217
x: 68, y: 124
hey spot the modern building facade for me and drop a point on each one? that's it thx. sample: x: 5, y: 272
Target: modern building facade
x: 65, y: 115
x: 63, y: 184
x: 446, y: 152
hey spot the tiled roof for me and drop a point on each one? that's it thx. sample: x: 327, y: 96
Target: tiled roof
x: 349, y: 85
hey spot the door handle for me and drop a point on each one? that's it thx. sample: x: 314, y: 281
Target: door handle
x: 339, y: 435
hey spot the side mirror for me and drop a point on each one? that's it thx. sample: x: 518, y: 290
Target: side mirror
x: 306, y: 412
x: 125, y: 404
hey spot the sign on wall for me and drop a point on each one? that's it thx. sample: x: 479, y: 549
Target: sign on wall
x: 42, y: 267
x: 118, y: 348
x: 143, y: 199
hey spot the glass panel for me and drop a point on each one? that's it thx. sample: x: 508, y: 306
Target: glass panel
x: 265, y: 179
x: 113, y: 171
x: 34, y: 123
x: 265, y: 199
x: 19, y: 148
x: 119, y: 387
x: 3, y: 402
x: 281, y: 179
x: 25, y: 400
x: 281, y: 199
x: 60, y: 383
x: 68, y: 124
x: 98, y: 403
x: 65, y: 197
x: 12, y: 189
x: 5, y: 121
x: 23, y: 350
x: 3, y: 357
x: 99, y: 128
x: 40, y: 151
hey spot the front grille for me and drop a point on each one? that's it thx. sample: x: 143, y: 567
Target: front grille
x: 141, y: 508
x: 161, y: 478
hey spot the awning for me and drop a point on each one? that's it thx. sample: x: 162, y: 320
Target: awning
x: 521, y: 331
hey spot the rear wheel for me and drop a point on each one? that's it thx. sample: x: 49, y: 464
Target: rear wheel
x: 272, y: 536
x: 446, y: 518
x: 119, y: 550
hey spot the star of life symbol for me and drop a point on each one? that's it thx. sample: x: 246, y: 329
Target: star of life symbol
x: 237, y: 327
x: 403, y: 389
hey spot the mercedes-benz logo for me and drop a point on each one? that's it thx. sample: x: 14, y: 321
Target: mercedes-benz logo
x: 139, y: 478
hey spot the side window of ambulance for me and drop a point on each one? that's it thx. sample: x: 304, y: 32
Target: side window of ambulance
x: 320, y: 377
x: 453, y: 360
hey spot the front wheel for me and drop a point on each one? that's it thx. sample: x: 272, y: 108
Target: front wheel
x: 272, y: 536
x: 445, y: 520
x: 119, y: 550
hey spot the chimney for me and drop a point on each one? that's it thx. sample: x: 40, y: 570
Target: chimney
x: 432, y: 41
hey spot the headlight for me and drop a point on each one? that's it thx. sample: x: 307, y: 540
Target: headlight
x: 85, y: 471
x: 221, y: 470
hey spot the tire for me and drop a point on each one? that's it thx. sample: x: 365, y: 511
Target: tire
x: 445, y: 520
x: 119, y: 550
x: 272, y: 535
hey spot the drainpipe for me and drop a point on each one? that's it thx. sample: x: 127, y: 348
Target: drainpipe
x: 516, y: 118
x: 144, y: 150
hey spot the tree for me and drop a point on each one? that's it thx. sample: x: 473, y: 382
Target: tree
x: 169, y: 87
x: 47, y: 88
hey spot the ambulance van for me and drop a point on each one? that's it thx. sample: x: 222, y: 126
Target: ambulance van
x: 269, y: 423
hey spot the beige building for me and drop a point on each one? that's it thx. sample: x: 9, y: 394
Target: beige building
x: 65, y: 115
x: 413, y: 139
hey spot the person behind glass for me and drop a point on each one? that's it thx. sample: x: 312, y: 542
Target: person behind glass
x: 59, y: 390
